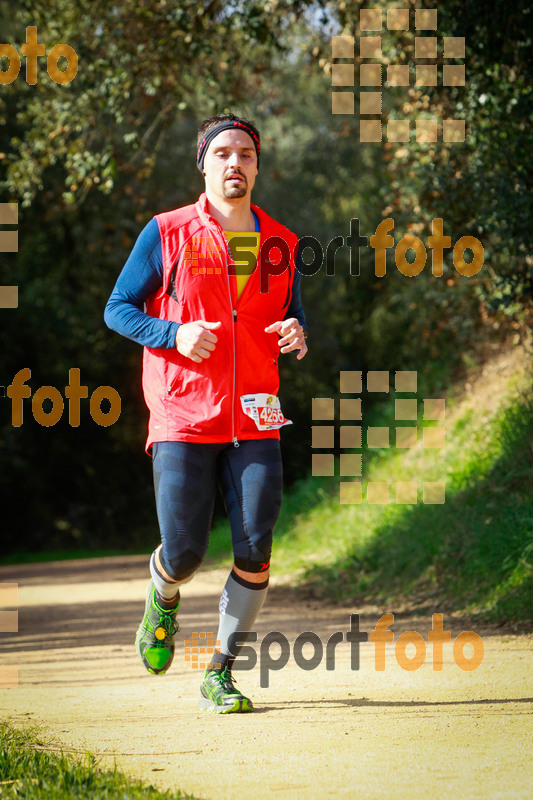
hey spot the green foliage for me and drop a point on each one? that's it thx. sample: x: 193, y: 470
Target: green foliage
x: 140, y: 65
x: 472, y: 553
x: 92, y: 161
x: 32, y: 767
x: 480, y: 188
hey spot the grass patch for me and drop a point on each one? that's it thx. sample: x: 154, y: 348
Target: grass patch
x: 34, y: 767
x: 473, y: 553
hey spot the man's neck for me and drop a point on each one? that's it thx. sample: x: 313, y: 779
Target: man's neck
x: 232, y: 215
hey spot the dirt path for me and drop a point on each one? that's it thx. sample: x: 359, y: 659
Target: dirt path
x: 341, y: 733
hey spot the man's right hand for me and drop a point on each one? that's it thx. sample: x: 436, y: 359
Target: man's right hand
x: 195, y: 340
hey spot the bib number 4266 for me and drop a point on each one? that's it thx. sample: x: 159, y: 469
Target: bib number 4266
x: 270, y: 416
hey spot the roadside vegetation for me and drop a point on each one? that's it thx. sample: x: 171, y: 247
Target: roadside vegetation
x: 34, y: 766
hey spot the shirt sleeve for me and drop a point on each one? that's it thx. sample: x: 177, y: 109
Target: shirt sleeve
x: 295, y: 308
x: 141, y: 276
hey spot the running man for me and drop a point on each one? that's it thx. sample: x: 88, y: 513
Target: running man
x: 218, y: 314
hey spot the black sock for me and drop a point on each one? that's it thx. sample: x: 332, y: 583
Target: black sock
x: 219, y: 662
x: 167, y: 605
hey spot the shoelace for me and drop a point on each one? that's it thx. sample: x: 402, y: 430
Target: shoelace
x: 169, y: 624
x: 226, y: 679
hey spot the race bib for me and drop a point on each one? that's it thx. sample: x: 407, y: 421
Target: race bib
x: 265, y: 410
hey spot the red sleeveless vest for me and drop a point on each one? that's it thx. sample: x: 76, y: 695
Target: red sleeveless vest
x: 191, y: 402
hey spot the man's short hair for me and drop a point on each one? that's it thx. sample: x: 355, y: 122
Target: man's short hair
x: 212, y: 122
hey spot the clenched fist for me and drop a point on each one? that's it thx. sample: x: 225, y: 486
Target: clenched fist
x: 195, y: 340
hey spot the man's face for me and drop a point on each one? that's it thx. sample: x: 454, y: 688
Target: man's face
x: 230, y: 164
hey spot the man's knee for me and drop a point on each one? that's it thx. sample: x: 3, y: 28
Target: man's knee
x: 254, y: 555
x: 249, y: 565
x: 182, y: 567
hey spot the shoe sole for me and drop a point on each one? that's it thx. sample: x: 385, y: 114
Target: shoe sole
x: 239, y: 706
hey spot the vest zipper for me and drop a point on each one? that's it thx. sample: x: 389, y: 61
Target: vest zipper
x: 234, y: 313
x: 235, y: 442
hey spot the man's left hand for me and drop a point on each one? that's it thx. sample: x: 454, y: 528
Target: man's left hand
x: 292, y: 336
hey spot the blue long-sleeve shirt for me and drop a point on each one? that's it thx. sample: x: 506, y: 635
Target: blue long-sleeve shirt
x: 141, y: 276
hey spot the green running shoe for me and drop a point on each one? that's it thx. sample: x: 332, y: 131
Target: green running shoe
x: 155, y: 637
x: 220, y: 696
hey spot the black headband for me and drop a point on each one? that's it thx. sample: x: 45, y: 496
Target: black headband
x: 225, y: 126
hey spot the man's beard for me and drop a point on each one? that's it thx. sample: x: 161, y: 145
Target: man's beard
x: 238, y: 190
